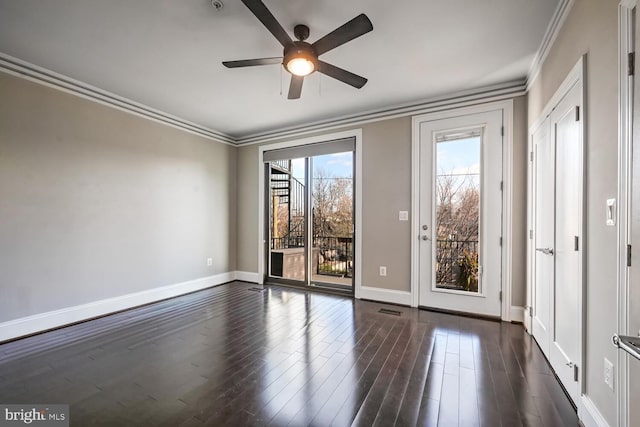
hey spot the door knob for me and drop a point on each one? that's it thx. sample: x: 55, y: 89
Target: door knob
x: 546, y: 251
x: 425, y: 227
x: 425, y: 238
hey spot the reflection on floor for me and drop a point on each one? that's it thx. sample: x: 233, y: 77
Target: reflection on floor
x: 235, y: 356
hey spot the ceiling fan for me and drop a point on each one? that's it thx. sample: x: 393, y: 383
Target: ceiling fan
x: 301, y: 58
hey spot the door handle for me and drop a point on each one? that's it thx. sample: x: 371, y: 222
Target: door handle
x: 546, y: 251
x: 425, y: 238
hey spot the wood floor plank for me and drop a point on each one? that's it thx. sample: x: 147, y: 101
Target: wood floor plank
x: 230, y: 356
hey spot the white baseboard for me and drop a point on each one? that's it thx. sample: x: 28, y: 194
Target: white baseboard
x: 247, y: 276
x: 54, y: 319
x: 385, y: 295
x: 517, y: 314
x: 589, y: 414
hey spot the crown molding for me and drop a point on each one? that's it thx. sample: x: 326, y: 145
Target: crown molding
x: 559, y: 16
x: 498, y: 92
x: 459, y: 99
x: 26, y: 70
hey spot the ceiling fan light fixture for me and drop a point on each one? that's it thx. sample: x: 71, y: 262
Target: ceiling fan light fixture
x: 300, y: 66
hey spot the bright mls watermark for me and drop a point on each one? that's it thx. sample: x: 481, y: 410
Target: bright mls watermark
x: 34, y: 414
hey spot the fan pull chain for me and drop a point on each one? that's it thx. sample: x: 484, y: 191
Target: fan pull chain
x: 280, y: 81
x: 319, y: 84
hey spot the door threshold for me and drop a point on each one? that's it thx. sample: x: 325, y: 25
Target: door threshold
x: 461, y: 313
x: 318, y: 289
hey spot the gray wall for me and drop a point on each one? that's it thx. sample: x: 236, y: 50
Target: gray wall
x: 591, y: 28
x: 97, y: 203
x: 386, y: 164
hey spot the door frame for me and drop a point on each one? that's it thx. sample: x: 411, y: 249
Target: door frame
x: 353, y: 133
x: 507, y: 200
x: 625, y: 142
x: 577, y: 75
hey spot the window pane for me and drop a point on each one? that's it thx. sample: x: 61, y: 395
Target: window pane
x: 457, y: 213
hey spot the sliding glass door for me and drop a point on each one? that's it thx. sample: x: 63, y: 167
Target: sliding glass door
x: 310, y: 205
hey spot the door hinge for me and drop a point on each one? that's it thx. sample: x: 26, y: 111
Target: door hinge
x: 530, y: 311
x: 500, y: 241
x: 530, y: 234
x: 628, y: 255
x: 500, y: 296
x: 575, y: 372
x: 577, y: 113
x: 502, y: 131
x: 531, y: 156
x: 631, y: 63
x: 501, y: 185
x: 576, y: 243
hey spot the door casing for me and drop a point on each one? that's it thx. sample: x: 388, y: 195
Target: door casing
x: 575, y: 77
x: 508, y: 312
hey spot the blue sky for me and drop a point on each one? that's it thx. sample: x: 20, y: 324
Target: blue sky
x: 459, y: 156
x: 338, y: 165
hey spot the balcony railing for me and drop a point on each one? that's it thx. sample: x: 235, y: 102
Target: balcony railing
x: 335, y: 254
x: 457, y: 264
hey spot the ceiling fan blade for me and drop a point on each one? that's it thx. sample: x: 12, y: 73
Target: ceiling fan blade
x: 353, y: 29
x: 252, y: 62
x: 295, y: 88
x: 268, y: 20
x: 342, y: 75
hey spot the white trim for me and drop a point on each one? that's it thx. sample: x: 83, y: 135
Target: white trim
x: 507, y: 209
x: 589, y: 414
x: 517, y: 314
x: 572, y: 78
x: 247, y: 276
x: 352, y: 133
x: 625, y: 170
x: 54, y: 319
x: 385, y: 295
x: 557, y: 21
x: 575, y: 77
x: 507, y: 176
x: 358, y: 248
x: 456, y: 100
x: 40, y: 75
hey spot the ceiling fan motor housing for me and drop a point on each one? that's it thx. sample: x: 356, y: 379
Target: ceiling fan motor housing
x: 300, y: 49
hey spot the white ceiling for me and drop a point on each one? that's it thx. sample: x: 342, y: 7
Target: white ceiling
x: 167, y: 54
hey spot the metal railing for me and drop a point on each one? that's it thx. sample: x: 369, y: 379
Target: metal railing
x: 335, y: 254
x: 457, y: 264
x: 287, y: 242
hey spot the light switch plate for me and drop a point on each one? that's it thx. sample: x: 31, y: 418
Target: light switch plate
x: 611, y: 212
x: 403, y: 216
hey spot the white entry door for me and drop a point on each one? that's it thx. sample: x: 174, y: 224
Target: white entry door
x: 460, y: 191
x: 558, y: 221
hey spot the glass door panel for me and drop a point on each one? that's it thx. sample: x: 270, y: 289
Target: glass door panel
x: 287, y: 219
x: 332, y: 219
x: 457, y: 213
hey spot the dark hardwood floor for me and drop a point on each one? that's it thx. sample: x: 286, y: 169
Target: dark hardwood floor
x: 235, y: 356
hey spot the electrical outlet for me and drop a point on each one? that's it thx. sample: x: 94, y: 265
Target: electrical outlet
x: 209, y: 262
x: 608, y: 373
x: 383, y: 270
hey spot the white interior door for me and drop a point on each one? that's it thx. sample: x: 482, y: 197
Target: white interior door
x: 461, y: 213
x: 544, y: 238
x: 558, y: 220
x: 565, y: 345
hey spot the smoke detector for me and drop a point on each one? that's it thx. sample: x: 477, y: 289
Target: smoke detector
x: 217, y: 5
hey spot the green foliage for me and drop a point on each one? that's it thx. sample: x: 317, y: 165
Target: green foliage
x: 468, y: 277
